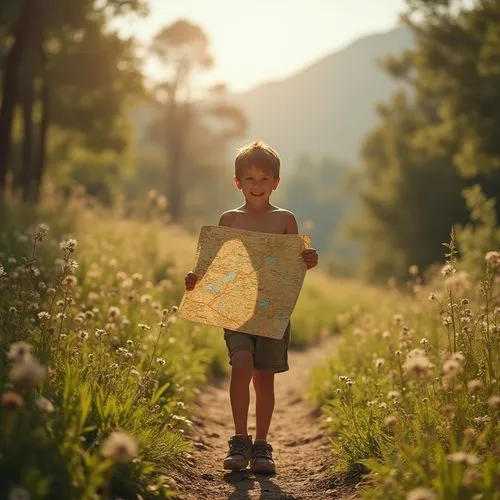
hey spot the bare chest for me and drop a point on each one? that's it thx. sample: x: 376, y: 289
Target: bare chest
x: 264, y: 224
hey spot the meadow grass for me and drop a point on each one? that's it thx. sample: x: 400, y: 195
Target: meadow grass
x: 412, y: 394
x: 97, y: 372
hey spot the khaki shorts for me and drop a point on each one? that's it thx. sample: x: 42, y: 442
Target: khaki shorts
x: 268, y: 354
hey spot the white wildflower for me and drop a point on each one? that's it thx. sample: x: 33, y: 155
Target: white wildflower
x: 474, y: 385
x: 40, y: 232
x: 460, y: 457
x: 82, y: 335
x: 19, y: 351
x: 448, y: 270
x: 44, y: 405
x: 28, y: 372
x: 69, y: 281
x: 145, y: 299
x: 413, y: 270
x: 68, y: 245
x: 120, y: 447
x: 458, y: 282
x: 43, y: 316
x: 492, y: 258
x: 416, y: 363
x: 421, y: 493
x: 494, y: 402
x: 390, y: 421
x: 113, y: 312
x: 452, y: 367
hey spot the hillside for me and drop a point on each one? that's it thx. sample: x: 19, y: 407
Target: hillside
x: 327, y: 107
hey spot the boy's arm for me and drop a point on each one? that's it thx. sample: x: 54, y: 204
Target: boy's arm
x: 191, y: 279
x: 310, y: 255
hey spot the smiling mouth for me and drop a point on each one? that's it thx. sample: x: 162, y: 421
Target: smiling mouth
x: 260, y: 194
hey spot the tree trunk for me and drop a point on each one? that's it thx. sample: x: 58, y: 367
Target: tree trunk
x: 41, y: 156
x: 27, y: 147
x: 174, y: 188
x: 179, y: 128
x: 173, y: 155
x: 22, y: 31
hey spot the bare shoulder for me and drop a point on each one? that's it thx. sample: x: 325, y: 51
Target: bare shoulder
x: 227, y: 218
x: 289, y: 221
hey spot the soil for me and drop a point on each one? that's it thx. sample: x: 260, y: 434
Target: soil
x: 302, y: 451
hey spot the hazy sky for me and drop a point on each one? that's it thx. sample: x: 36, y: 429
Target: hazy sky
x: 257, y: 40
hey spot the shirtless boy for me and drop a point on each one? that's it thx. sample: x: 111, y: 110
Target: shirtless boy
x: 252, y: 357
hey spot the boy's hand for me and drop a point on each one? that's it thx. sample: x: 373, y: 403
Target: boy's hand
x: 310, y: 256
x: 190, y: 280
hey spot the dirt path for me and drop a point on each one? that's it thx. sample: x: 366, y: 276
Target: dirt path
x: 301, y: 449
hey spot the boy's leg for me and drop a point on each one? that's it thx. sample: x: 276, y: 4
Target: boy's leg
x: 262, y: 458
x: 263, y: 382
x: 240, y: 348
x: 271, y: 356
x: 239, y: 390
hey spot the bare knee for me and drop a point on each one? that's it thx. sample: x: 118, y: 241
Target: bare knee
x: 263, y: 380
x: 242, y: 365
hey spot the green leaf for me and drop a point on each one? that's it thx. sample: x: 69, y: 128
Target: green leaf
x: 375, y: 466
x: 159, y: 392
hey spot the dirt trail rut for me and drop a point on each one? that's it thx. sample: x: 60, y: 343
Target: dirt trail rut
x: 301, y: 449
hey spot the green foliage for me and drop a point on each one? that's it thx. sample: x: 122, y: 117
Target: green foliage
x: 80, y: 75
x: 315, y: 192
x: 457, y: 63
x: 409, y: 200
x: 413, y: 394
x: 327, y: 306
x: 114, y: 359
x: 482, y: 234
x: 106, y: 352
x: 432, y: 145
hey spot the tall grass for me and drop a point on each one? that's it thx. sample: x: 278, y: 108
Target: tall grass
x: 413, y: 393
x: 97, y: 373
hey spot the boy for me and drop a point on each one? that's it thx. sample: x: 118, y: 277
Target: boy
x: 257, y: 169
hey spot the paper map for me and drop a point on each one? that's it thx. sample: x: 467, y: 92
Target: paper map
x: 247, y: 281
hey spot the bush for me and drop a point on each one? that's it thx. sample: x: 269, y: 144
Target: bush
x: 413, y: 391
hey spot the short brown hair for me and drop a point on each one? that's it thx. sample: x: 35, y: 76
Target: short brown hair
x: 260, y: 154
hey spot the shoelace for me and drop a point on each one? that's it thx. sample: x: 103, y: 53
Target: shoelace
x: 237, y: 445
x: 262, y: 450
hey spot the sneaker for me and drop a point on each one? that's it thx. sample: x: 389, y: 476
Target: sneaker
x: 262, y: 458
x: 240, y: 449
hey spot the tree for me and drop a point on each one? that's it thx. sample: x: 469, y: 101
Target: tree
x: 434, y: 141
x: 458, y: 59
x: 24, y: 20
x: 53, y: 44
x: 194, y: 122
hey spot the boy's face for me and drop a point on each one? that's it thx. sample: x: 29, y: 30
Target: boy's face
x: 257, y: 184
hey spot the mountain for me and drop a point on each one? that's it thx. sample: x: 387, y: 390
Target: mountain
x: 328, y: 107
